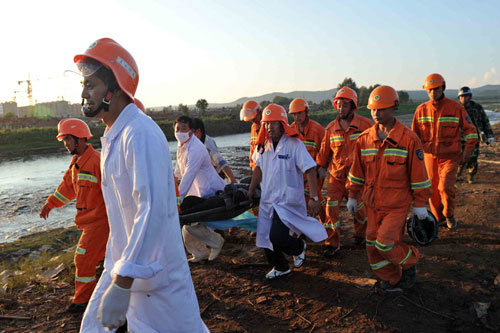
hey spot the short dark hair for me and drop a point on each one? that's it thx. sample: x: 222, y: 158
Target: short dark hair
x: 184, y: 120
x: 198, y: 124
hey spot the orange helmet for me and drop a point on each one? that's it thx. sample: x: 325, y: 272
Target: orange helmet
x: 346, y: 93
x: 274, y: 112
x: 433, y: 81
x: 298, y: 105
x: 73, y: 126
x: 139, y: 105
x: 249, y: 110
x: 112, y: 55
x: 383, y: 97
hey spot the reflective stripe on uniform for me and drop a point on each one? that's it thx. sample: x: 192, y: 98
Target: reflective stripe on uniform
x: 424, y: 119
x: 331, y: 226
x: 421, y: 185
x: 336, y: 138
x: 332, y: 203
x: 310, y: 144
x: 80, y: 250
x: 471, y: 136
x: 361, y: 205
x: 354, y: 136
x: 88, y: 177
x: 369, y: 151
x: 449, y: 119
x: 379, y: 265
x: 383, y: 247
x: 370, y: 242
x: 406, y: 258
x: 356, y: 180
x: 61, y: 197
x: 84, y: 279
x: 179, y: 201
x: 396, y: 152
x: 253, y: 139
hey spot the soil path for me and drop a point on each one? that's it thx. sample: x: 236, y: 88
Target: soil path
x: 455, y: 274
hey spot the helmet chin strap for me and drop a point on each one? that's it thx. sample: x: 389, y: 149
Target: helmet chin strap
x: 103, y: 106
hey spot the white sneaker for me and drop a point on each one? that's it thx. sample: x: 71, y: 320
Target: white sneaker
x: 274, y: 273
x: 198, y: 258
x: 299, y: 260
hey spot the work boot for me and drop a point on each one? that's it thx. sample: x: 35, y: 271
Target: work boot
x: 77, y: 308
x: 214, y: 252
x: 359, y: 241
x: 409, y: 277
x: 299, y: 260
x: 387, y: 287
x: 330, y: 252
x: 274, y: 273
x: 470, y: 179
x: 451, y: 223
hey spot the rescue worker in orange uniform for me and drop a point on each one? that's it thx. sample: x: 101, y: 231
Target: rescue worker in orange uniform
x: 335, y: 155
x: 439, y: 123
x: 388, y: 168
x: 82, y: 181
x: 312, y: 134
x: 252, y: 111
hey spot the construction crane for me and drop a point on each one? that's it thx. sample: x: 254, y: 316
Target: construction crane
x: 29, y: 93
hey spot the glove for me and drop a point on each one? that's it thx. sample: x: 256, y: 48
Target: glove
x: 490, y: 140
x: 352, y: 205
x: 114, y: 305
x: 44, y: 211
x: 421, y: 212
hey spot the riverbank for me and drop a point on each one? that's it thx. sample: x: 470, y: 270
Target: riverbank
x: 16, y: 143
x: 458, y: 286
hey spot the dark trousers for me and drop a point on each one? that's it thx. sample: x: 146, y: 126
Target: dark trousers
x: 282, y: 243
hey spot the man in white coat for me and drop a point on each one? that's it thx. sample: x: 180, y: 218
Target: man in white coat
x: 146, y: 279
x: 199, y: 179
x: 282, y: 159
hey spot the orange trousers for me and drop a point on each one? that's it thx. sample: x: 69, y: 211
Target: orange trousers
x: 336, y: 191
x: 443, y: 176
x: 90, y: 250
x: 321, y: 199
x: 387, y: 254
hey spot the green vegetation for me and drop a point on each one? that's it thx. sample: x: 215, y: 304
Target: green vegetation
x: 27, y: 269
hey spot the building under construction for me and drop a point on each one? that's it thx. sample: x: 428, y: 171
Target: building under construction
x: 55, y: 109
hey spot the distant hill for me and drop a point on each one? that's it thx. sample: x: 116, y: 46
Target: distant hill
x: 487, y: 92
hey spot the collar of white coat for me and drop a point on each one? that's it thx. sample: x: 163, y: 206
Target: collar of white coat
x: 126, y: 116
x: 270, y: 146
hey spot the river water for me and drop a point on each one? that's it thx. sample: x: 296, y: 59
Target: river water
x: 26, y: 183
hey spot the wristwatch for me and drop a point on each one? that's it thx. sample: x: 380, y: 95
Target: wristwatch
x: 315, y: 198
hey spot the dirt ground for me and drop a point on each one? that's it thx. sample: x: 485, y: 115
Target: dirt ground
x: 456, y: 275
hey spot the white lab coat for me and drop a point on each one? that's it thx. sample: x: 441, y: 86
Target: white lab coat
x: 145, y: 240
x: 282, y: 188
x: 194, y: 166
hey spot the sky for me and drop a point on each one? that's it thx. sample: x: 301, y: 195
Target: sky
x: 227, y: 49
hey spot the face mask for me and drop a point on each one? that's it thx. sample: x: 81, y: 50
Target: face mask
x: 182, y: 136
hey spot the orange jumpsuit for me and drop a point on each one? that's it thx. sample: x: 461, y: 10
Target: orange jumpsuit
x: 390, y: 173
x: 253, y: 142
x: 312, y: 136
x: 439, y: 125
x: 82, y: 181
x: 336, y: 155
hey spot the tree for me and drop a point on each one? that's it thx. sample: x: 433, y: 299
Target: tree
x: 403, y: 96
x: 281, y: 100
x: 184, y: 109
x: 350, y: 83
x: 9, y: 115
x: 202, y: 105
x: 364, y: 94
x: 263, y: 104
x: 325, y: 104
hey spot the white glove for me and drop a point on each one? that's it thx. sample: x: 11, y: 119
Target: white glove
x: 490, y: 140
x: 352, y: 205
x: 114, y: 305
x: 421, y: 212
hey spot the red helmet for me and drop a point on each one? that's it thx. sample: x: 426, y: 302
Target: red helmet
x: 346, y: 93
x: 73, y: 126
x: 433, y: 81
x: 298, y: 105
x: 383, y: 97
x: 249, y: 110
x: 112, y: 55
